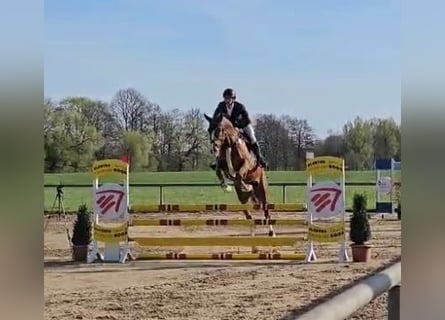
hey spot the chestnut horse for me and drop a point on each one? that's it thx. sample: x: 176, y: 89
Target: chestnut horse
x: 236, y: 162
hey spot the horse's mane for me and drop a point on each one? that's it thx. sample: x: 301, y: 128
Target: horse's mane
x: 225, y: 122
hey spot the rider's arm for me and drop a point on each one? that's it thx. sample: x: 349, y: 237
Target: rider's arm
x: 245, y: 116
x: 218, y: 110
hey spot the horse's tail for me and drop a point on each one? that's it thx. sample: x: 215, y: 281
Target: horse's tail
x: 261, y: 190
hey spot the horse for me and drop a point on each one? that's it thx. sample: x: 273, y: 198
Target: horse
x: 237, y: 163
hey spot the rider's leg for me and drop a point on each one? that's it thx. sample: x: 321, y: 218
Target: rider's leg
x: 255, y: 146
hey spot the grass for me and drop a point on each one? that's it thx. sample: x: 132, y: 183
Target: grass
x: 74, y: 196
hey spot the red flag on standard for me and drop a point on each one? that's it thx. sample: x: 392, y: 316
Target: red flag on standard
x: 125, y: 159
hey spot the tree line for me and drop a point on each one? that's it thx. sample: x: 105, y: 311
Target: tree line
x: 79, y: 130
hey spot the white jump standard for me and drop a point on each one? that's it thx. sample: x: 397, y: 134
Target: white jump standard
x: 111, y: 202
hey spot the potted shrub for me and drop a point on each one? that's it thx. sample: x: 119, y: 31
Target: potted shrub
x: 360, y: 231
x: 82, y: 234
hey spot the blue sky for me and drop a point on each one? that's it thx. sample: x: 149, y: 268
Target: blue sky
x: 325, y: 61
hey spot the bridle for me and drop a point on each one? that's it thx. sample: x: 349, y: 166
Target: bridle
x: 227, y: 140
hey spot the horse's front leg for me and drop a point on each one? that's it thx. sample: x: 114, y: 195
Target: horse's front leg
x: 244, y: 186
x: 222, y: 180
x: 247, y: 214
x: 267, y: 218
x: 241, y: 176
x: 243, y: 171
x: 220, y: 175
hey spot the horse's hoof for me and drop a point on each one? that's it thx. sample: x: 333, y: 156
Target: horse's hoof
x: 226, y: 188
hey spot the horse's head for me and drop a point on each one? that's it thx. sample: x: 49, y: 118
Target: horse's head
x: 221, y: 131
x: 211, y: 122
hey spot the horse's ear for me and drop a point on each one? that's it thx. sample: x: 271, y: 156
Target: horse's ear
x: 207, y: 118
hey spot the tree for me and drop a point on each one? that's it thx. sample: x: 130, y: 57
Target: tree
x: 303, y: 139
x: 274, y: 139
x: 333, y: 145
x: 137, y: 145
x: 386, y: 138
x: 129, y: 108
x: 96, y: 113
x: 187, y: 138
x: 78, y: 130
x: 359, y: 144
x: 71, y: 142
x: 195, y: 138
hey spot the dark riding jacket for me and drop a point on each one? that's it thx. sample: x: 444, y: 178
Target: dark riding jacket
x: 240, y: 117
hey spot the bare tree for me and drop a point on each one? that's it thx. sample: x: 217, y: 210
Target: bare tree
x: 194, y: 138
x: 164, y: 141
x: 152, y: 117
x: 129, y: 107
x: 302, y: 137
x: 273, y: 137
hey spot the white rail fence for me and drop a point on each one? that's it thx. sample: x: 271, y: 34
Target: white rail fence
x: 351, y: 300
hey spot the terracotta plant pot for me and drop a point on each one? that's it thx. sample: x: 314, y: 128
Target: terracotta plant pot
x: 361, y: 252
x: 80, y: 253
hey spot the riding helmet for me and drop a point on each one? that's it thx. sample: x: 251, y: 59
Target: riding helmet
x: 230, y: 93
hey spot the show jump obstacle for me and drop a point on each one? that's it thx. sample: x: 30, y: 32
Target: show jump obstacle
x: 386, y: 186
x: 325, y: 202
x: 110, y: 211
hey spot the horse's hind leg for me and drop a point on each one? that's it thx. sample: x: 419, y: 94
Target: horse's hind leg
x: 261, y: 194
x: 252, y: 228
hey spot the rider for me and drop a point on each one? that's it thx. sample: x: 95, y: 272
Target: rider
x: 237, y: 113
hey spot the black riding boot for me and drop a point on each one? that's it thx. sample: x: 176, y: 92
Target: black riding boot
x: 257, y: 152
x: 217, y: 163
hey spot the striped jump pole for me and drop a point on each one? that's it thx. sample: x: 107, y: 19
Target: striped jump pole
x: 221, y: 256
x: 278, y: 207
x: 216, y: 222
x: 216, y: 241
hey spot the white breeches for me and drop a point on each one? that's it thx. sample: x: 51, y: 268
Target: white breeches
x: 250, y: 133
